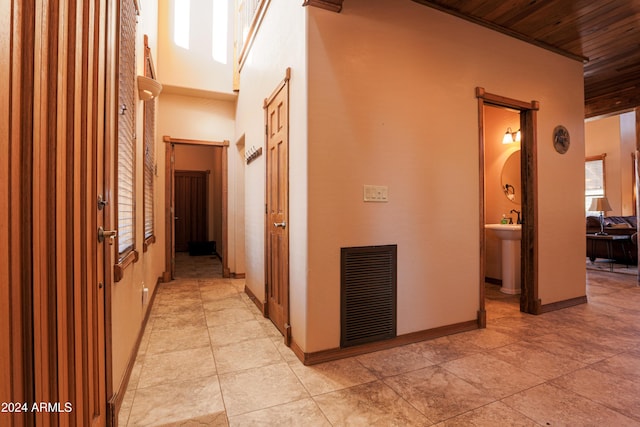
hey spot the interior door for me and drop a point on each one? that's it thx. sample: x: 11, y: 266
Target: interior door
x: 277, y: 250
x: 190, y: 208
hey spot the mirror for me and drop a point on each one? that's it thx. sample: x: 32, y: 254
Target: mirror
x: 510, y: 178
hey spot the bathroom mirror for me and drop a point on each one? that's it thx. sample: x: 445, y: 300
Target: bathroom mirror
x: 510, y: 178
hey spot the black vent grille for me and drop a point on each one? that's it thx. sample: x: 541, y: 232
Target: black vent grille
x: 368, y: 277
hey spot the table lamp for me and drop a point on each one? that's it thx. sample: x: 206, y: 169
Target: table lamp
x: 602, y: 205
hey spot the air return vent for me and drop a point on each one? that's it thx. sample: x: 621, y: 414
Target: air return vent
x: 368, y: 277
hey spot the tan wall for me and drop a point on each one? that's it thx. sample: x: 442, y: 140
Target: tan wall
x: 194, y: 67
x: 280, y: 44
x: 615, y: 137
x: 393, y: 104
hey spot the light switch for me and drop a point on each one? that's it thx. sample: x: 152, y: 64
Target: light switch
x: 376, y: 193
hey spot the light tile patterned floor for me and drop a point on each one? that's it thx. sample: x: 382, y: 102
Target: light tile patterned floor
x: 209, y: 358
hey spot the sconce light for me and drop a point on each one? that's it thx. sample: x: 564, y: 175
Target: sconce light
x: 510, y: 137
x: 148, y: 88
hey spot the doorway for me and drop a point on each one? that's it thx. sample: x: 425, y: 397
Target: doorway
x: 529, y: 301
x: 215, y: 229
x: 502, y: 207
x: 190, y: 209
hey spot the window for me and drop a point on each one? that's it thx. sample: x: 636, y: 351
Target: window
x: 593, y: 180
x: 181, y: 23
x: 125, y: 156
x: 149, y: 152
x: 219, y: 33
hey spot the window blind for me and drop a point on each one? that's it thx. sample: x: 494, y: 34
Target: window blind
x: 126, y: 130
x: 594, y: 181
x: 149, y: 149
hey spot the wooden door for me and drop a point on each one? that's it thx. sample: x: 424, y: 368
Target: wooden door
x: 190, y: 208
x: 277, y: 226
x: 67, y: 280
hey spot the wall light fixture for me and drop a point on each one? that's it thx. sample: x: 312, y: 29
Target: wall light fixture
x: 510, y: 136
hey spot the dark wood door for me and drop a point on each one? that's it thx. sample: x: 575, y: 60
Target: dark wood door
x: 54, y: 116
x: 277, y: 252
x: 190, y: 208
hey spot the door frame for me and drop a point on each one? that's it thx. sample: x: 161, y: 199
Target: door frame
x: 529, y: 301
x: 169, y: 273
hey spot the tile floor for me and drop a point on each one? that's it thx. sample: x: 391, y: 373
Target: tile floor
x: 209, y: 358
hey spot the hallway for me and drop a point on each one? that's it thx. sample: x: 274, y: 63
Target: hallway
x: 209, y: 358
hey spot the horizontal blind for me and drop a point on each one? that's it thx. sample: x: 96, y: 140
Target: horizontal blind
x: 126, y: 130
x: 593, y: 181
x: 149, y: 134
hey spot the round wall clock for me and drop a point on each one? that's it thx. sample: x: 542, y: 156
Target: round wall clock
x: 561, y: 139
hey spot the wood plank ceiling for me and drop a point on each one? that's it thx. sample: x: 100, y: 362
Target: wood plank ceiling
x: 605, y: 34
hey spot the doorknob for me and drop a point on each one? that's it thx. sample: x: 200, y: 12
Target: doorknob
x: 106, y: 234
x: 282, y: 224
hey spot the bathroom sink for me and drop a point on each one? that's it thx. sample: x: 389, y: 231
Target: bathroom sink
x: 510, y: 235
x: 506, y: 231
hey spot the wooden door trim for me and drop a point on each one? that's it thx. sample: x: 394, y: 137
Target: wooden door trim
x: 225, y: 212
x: 169, y: 189
x: 111, y: 58
x: 281, y: 85
x: 636, y: 162
x: 184, y: 141
x: 529, y: 301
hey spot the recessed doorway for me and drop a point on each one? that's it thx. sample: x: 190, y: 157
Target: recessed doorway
x: 527, y: 111
x: 213, y: 228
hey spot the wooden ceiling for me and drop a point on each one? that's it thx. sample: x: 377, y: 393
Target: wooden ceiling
x: 605, y: 34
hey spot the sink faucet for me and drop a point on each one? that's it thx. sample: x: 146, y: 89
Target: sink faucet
x: 518, y: 221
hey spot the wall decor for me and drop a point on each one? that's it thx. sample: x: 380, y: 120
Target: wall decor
x: 561, y: 139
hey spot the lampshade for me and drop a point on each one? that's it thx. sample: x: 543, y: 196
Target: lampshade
x: 510, y: 136
x: 600, y: 204
x: 148, y: 88
x: 507, y: 138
